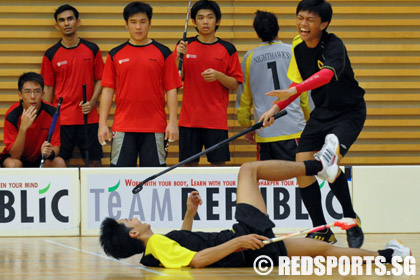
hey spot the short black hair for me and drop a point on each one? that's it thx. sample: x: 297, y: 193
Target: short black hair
x: 66, y: 7
x: 116, y: 241
x: 319, y: 7
x: 137, y: 7
x: 266, y: 25
x: 206, y: 5
x: 30, y: 77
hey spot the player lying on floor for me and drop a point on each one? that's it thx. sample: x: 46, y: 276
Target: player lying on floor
x: 183, y: 248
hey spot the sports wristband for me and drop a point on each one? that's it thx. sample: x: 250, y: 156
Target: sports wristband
x: 52, y: 155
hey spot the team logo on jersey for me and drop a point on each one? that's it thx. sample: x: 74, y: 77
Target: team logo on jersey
x: 320, y: 64
x: 61, y: 63
x: 191, y: 56
x: 121, y: 61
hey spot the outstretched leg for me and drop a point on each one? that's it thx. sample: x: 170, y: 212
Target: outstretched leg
x: 274, y: 170
x: 313, y: 248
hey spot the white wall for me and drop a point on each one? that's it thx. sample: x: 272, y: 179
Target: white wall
x: 387, y: 198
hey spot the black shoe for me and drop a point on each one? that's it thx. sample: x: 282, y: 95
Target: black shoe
x: 327, y: 236
x: 355, y: 235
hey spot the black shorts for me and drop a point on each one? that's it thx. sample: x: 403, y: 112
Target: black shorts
x: 252, y: 220
x: 70, y: 135
x: 347, y: 128
x: 25, y: 163
x: 126, y: 147
x: 284, y: 150
x: 192, y: 140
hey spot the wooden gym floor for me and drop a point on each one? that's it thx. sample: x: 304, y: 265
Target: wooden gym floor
x: 82, y: 258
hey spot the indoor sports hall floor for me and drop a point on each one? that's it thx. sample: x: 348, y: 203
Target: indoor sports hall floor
x: 82, y: 258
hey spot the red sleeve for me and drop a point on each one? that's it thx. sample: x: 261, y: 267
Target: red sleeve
x: 171, y: 79
x: 283, y: 104
x: 99, y: 66
x: 318, y: 79
x: 108, y: 77
x: 47, y: 72
x: 10, y: 134
x: 235, y: 69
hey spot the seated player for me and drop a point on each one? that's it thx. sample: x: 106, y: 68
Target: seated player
x: 27, y: 125
x: 184, y: 248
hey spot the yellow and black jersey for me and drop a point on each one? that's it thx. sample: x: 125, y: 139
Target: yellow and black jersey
x: 343, y: 92
x: 168, y: 252
x: 177, y: 248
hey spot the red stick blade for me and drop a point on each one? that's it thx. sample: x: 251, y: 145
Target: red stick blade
x: 345, y: 223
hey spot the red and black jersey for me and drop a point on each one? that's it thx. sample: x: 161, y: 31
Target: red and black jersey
x: 35, y: 135
x: 204, y: 104
x: 140, y: 76
x: 67, y: 69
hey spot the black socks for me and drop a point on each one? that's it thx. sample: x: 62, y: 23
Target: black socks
x: 387, y: 253
x: 311, y: 197
x: 340, y: 188
x: 312, y: 167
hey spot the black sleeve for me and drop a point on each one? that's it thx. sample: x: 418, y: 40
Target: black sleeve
x: 335, y: 56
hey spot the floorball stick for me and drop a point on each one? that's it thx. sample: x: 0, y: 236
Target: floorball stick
x: 85, y: 118
x: 258, y: 125
x: 184, y: 37
x: 345, y: 224
x: 52, y: 128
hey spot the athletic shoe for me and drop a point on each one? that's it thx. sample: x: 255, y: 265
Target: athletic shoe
x: 328, y: 156
x: 355, y: 235
x: 398, y: 248
x: 327, y: 236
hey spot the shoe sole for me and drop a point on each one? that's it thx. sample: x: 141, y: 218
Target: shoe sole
x: 332, y: 138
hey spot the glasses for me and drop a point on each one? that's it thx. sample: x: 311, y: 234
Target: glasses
x: 37, y: 91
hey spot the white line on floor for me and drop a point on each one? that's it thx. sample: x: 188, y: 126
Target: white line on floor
x: 105, y: 257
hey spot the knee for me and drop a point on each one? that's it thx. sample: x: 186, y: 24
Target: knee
x: 249, y: 167
x: 12, y: 163
x: 59, y: 162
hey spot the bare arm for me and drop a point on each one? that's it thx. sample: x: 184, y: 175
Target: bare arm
x: 28, y: 117
x: 211, y: 75
x: 194, y: 200
x: 90, y: 104
x: 106, y: 103
x: 47, y: 148
x: 172, y: 133
x: 181, y: 48
x: 211, y: 255
x: 17, y: 149
x: 49, y: 94
x: 96, y: 93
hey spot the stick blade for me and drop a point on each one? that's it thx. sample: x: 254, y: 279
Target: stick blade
x: 345, y: 223
x: 138, y: 188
